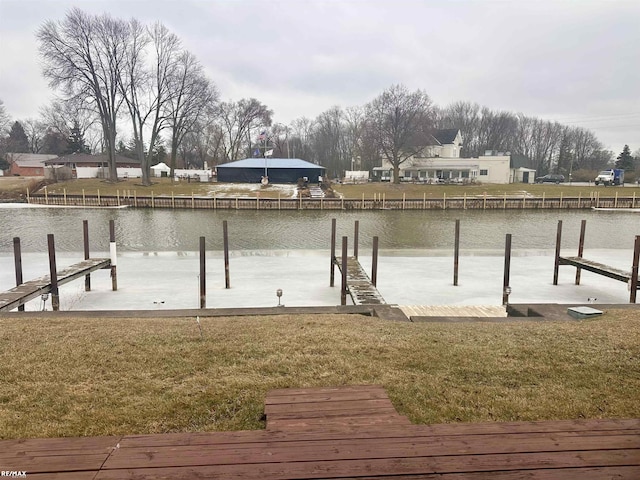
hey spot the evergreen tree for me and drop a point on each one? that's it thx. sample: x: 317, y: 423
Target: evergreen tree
x: 76, y: 140
x: 625, y: 159
x: 18, y: 141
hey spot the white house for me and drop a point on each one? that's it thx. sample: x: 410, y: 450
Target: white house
x: 441, y: 162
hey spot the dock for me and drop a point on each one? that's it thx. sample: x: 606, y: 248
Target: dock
x: 26, y: 291
x: 343, y: 432
x: 359, y: 285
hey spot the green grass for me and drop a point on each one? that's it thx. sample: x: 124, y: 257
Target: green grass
x: 94, y: 376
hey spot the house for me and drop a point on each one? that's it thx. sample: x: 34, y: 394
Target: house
x: 84, y: 165
x: 27, y: 164
x: 278, y: 170
x: 440, y: 162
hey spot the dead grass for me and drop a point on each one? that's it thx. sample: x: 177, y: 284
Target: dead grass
x: 93, y: 376
x: 16, y: 187
x: 391, y: 191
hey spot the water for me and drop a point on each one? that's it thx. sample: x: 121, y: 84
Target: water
x: 179, y: 230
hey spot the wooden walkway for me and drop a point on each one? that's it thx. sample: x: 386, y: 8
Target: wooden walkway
x: 347, y: 433
x: 359, y: 285
x: 595, y: 267
x: 34, y: 288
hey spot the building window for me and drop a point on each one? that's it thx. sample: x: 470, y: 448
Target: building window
x: 484, y: 172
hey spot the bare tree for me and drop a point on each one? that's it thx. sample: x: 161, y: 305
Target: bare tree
x: 83, y: 56
x: 192, y: 96
x: 147, y: 91
x: 35, y: 131
x: 62, y: 117
x: 402, y: 123
x: 238, y: 120
x: 4, y: 117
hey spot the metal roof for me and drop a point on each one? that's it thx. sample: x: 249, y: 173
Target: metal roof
x: 270, y: 163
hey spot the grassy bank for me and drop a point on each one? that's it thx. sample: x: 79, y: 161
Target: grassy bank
x: 164, y: 186
x: 67, y: 377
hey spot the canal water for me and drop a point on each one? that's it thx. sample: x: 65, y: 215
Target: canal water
x: 158, y: 260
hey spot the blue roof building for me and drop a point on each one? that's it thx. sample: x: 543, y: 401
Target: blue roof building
x: 277, y: 170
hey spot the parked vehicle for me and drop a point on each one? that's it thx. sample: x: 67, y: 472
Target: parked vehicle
x: 551, y: 178
x: 613, y: 176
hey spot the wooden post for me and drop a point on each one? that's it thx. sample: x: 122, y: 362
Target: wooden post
x: 504, y: 202
x: 579, y: 199
x: 634, y: 270
x: 17, y: 258
x: 153, y: 203
x: 225, y: 239
x: 99, y: 198
x: 356, y: 229
x: 135, y: 199
x: 173, y: 201
x: 374, y: 262
x: 464, y: 201
x: 114, y: 255
x: 583, y: 228
x: 556, y: 263
x: 560, y: 199
x: 444, y: 201
x: 384, y: 198
x: 53, y: 273
x: 29, y: 198
x: 343, y: 289
x: 633, y: 201
x: 484, y: 202
x: 203, y: 274
x: 84, y: 200
x: 543, y: 195
x: 524, y: 200
x: 424, y: 201
x: 404, y: 199
x: 456, y: 253
x: 193, y: 201
x: 615, y: 204
x: 85, y: 238
x: 333, y: 252
x: 362, y: 207
x: 64, y: 194
x: 507, y: 270
x: 46, y: 195
x: 278, y: 200
x: 118, y: 196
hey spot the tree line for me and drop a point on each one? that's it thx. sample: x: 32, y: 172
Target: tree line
x: 132, y: 89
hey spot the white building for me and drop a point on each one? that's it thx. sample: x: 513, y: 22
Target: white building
x: 441, y: 162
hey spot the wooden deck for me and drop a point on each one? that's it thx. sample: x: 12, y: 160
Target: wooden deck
x: 359, y: 285
x: 348, y: 433
x: 595, y: 267
x: 34, y: 288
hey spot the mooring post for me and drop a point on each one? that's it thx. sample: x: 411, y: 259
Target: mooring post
x: 374, y: 262
x: 506, y: 289
x: 113, y: 255
x: 85, y: 238
x: 17, y: 257
x: 203, y: 275
x: 53, y: 273
x: 634, y: 270
x: 356, y: 229
x: 456, y: 253
x: 583, y: 228
x: 333, y: 252
x: 343, y: 288
x: 556, y: 263
x: 225, y: 239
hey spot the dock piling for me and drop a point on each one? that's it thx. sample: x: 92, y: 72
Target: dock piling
x: 506, y: 289
x: 85, y: 239
x: 225, y: 239
x: 456, y: 253
x: 53, y: 273
x: 633, y: 283
x: 343, y: 288
x: 356, y: 229
x: 374, y: 262
x: 17, y: 257
x: 556, y: 263
x: 333, y: 252
x: 113, y: 255
x: 583, y: 228
x: 203, y: 274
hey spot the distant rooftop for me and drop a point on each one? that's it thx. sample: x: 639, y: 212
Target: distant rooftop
x: 270, y: 163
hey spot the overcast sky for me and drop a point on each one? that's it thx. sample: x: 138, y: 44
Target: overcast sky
x: 577, y: 62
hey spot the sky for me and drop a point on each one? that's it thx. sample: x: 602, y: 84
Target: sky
x: 571, y: 61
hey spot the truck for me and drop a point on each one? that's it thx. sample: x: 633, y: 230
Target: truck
x: 613, y: 176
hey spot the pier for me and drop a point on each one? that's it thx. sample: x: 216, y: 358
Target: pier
x: 628, y: 277
x: 358, y: 283
x: 26, y: 291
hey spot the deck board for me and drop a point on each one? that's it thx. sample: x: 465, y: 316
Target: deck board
x: 344, y: 432
x: 359, y: 285
x: 26, y: 291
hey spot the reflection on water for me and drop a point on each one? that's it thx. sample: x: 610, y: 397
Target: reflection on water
x: 179, y: 230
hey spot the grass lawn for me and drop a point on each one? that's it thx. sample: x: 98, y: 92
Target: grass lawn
x: 12, y: 187
x: 95, y: 376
